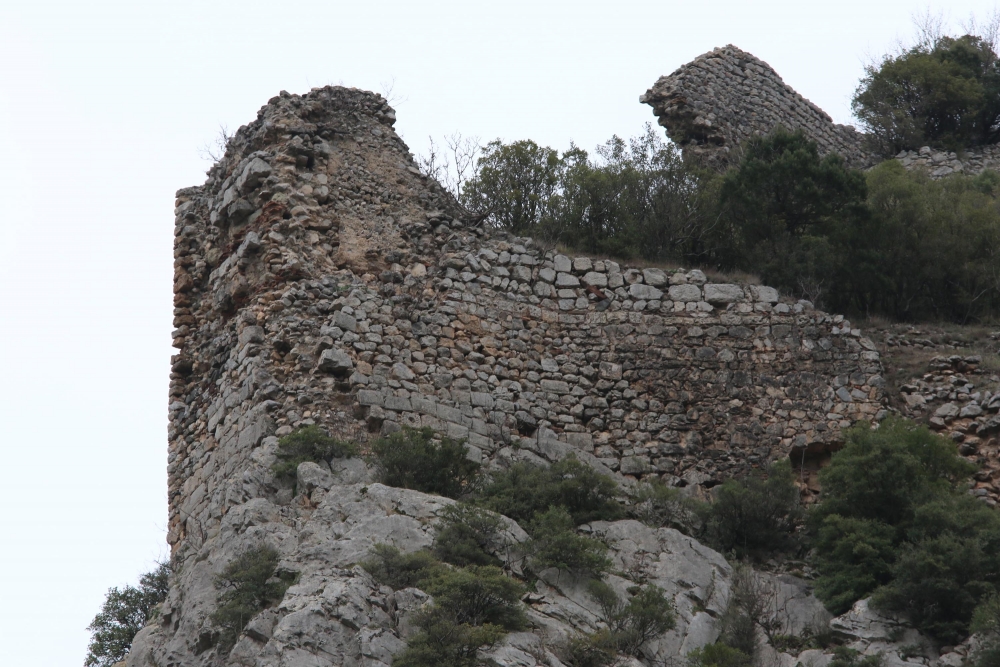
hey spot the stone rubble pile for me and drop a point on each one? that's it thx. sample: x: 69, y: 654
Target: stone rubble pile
x: 953, y: 392
x: 714, y: 103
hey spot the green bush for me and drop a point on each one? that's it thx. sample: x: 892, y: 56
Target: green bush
x: 855, y: 557
x: 886, y: 473
x: 555, y: 543
x: 754, y: 607
x: 895, y: 522
x: 928, y: 248
x: 410, y: 459
x: 474, y: 607
x: 478, y: 595
x: 755, y: 514
x: 443, y: 643
x: 596, y: 649
x: 124, y: 613
x: 249, y: 585
x: 309, y: 443
x: 633, y: 622
x: 718, y: 655
x: 986, y: 622
x: 848, y: 657
x: 524, y: 490
x: 517, y: 185
x: 637, y: 198
x: 943, y: 92
x: 391, y: 567
x: 661, y: 506
x: 469, y: 535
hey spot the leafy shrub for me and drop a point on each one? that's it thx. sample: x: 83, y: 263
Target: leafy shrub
x: 249, y: 586
x: 886, y: 473
x: 410, y: 459
x: 718, y: 655
x: 633, y: 622
x: 855, y: 557
x: 309, y: 443
x: 124, y: 613
x: 943, y: 92
x: 555, y: 543
x: 754, y: 606
x: 468, y: 535
x: 755, y: 514
x: 848, y: 657
x: 473, y: 607
x: 478, y: 595
x: 948, y: 564
x: 738, y: 629
x: 661, y: 506
x: 986, y: 622
x: 524, y: 490
x: 895, y: 522
x: 444, y: 643
x: 391, y: 567
x: 517, y: 184
x: 635, y: 198
x: 596, y: 649
x: 781, y: 203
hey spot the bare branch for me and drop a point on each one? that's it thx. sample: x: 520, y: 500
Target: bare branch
x: 930, y: 27
x: 389, y: 92
x: 454, y: 165
x: 216, y: 150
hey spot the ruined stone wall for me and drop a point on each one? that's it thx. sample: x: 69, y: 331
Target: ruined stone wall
x: 939, y: 164
x: 722, y: 98
x: 321, y: 279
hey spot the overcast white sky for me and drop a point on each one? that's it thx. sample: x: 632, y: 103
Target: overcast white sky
x: 103, y: 108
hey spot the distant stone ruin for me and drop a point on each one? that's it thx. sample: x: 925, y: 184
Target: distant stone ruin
x: 713, y: 104
x: 939, y: 164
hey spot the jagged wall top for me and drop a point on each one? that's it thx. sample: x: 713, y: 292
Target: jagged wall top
x: 722, y: 98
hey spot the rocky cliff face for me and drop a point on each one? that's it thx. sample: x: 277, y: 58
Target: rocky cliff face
x: 321, y: 279
x: 722, y: 98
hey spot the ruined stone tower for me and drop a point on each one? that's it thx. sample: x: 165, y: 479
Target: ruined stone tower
x: 714, y: 103
x: 320, y: 278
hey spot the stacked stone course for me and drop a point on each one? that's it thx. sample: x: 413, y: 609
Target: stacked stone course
x: 938, y: 164
x: 713, y: 104
x: 320, y: 278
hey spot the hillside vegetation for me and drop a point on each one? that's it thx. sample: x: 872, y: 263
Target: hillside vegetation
x: 887, y: 242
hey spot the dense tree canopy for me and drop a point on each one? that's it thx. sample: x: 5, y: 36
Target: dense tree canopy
x: 945, y: 93
x: 895, y: 522
x: 125, y: 612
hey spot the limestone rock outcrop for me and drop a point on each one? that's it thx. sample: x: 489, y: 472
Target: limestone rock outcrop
x: 322, y: 279
x: 713, y: 104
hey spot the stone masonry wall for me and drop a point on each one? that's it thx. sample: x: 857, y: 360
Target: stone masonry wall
x: 722, y: 98
x: 939, y: 164
x: 320, y: 278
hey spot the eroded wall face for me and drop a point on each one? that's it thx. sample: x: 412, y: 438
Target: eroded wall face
x: 713, y: 104
x: 321, y: 279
